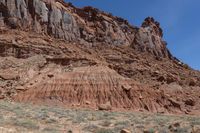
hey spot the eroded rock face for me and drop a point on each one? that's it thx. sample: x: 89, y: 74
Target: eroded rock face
x: 40, y: 16
x: 88, y: 26
x: 97, y: 26
x: 98, y: 86
x: 149, y: 38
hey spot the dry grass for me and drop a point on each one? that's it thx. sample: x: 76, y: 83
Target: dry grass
x: 25, y: 117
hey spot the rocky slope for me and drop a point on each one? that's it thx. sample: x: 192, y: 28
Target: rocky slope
x: 54, y: 53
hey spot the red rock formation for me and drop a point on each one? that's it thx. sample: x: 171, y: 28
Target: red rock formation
x: 88, y: 25
x: 149, y: 38
x: 53, y: 52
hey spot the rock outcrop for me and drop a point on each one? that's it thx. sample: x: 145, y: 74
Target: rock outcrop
x: 99, y: 27
x: 40, y: 16
x: 149, y: 38
x: 88, y: 26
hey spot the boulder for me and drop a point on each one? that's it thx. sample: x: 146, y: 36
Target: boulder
x: 126, y: 87
x: 107, y: 106
x: 9, y: 76
x: 175, y: 103
x: 190, y: 102
x: 125, y: 131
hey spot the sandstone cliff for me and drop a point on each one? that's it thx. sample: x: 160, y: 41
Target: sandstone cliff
x: 88, y: 25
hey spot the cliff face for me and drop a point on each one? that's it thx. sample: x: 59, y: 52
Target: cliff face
x: 149, y: 38
x: 47, y: 17
x: 88, y: 25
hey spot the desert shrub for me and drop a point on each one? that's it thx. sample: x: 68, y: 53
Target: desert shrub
x: 50, y: 130
x: 195, y: 122
x: 29, y: 124
x: 1, y: 120
x: 91, y: 127
x: 151, y: 130
x: 183, y: 130
x: 104, y: 131
x: 122, y: 123
x: 51, y: 120
x: 106, y: 123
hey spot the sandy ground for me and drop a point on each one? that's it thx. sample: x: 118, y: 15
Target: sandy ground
x: 21, y: 118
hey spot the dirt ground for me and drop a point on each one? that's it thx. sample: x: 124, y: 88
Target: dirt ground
x: 21, y: 118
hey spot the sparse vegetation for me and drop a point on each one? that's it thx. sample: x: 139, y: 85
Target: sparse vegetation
x: 26, y: 123
x: 26, y: 117
x: 104, y: 131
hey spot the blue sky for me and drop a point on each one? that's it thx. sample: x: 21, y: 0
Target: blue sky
x: 180, y: 20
